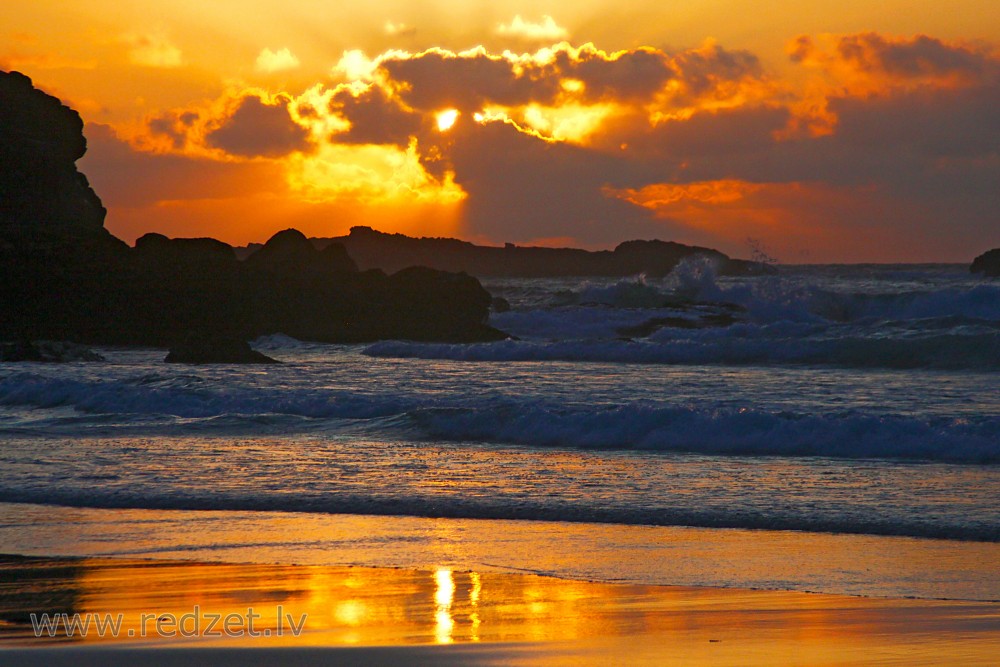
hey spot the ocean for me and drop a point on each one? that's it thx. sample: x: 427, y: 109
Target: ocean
x: 856, y: 404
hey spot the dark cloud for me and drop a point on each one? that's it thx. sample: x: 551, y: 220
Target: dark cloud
x: 437, y: 79
x: 921, y: 165
x: 634, y: 75
x: 916, y: 60
x: 375, y: 118
x: 639, y: 75
x: 165, y: 127
x: 920, y: 145
x: 174, y: 126
x: 257, y: 129
x: 521, y: 188
x: 933, y: 124
x: 920, y: 56
x: 919, y: 142
x: 125, y: 177
x: 703, y: 70
x: 712, y: 135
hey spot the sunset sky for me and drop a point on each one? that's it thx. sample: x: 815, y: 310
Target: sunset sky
x: 851, y: 131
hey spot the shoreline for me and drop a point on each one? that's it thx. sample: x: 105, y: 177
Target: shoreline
x: 439, y: 615
x: 857, y: 565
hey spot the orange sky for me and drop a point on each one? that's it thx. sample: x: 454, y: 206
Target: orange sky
x: 826, y: 133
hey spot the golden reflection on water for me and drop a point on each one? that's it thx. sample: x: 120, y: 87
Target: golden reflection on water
x: 366, y: 606
x: 474, y: 593
x: 444, y: 596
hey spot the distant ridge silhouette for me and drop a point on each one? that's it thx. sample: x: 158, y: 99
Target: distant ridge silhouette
x: 372, y: 249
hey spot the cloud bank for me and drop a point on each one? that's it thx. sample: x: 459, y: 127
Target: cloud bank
x: 880, y: 148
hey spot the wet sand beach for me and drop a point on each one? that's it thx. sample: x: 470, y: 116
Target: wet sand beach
x: 356, y: 615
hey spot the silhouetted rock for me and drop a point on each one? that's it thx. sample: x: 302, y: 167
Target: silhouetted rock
x: 658, y: 258
x: 426, y: 304
x: 311, y: 295
x: 372, y: 249
x: 55, y: 255
x: 158, y: 249
x: 47, y: 351
x: 40, y: 142
x: 284, y: 249
x: 988, y: 264
x: 179, y: 285
x: 214, y: 349
x: 291, y: 250
x: 336, y: 257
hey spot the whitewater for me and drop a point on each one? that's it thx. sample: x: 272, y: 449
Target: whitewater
x: 826, y: 399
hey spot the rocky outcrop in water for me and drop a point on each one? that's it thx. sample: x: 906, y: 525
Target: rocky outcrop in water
x: 988, y: 264
x: 213, y: 349
x: 47, y: 351
x: 163, y: 289
x: 289, y: 286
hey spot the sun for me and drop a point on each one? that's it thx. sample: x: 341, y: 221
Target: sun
x: 446, y: 118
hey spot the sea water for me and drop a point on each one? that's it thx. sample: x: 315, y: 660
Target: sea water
x: 829, y: 400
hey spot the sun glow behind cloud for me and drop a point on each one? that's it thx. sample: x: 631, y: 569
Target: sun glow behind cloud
x: 567, y: 122
x: 446, y: 119
x: 369, y: 173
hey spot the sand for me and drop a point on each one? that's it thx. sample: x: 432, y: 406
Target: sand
x: 843, y: 564
x: 358, y: 615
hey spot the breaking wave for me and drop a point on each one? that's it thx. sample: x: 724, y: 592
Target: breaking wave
x: 692, y: 317
x: 636, y: 425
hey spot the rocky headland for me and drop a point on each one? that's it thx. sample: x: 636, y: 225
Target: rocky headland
x: 63, y: 276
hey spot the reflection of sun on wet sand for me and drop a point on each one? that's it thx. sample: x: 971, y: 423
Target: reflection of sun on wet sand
x: 526, y: 619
